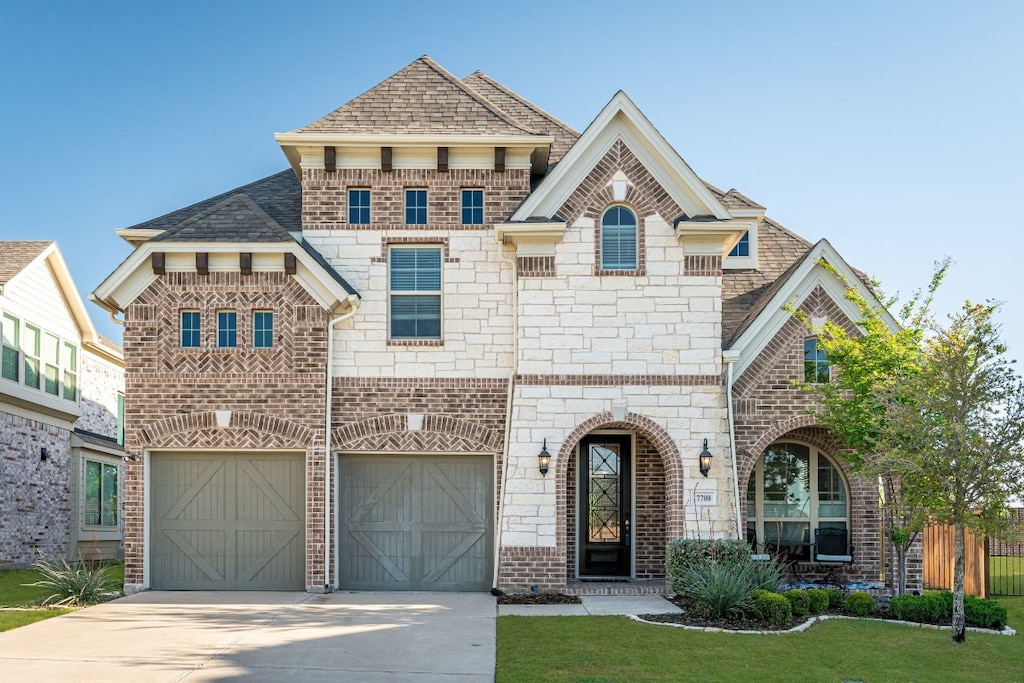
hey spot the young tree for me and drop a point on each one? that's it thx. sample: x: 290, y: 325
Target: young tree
x: 880, y: 352
x: 960, y: 420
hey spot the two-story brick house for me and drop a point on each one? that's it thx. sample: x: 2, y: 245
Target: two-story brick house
x: 61, y: 388
x: 459, y: 344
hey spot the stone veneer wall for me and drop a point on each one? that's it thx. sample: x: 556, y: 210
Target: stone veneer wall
x: 101, y: 381
x: 276, y: 395
x: 769, y: 408
x: 35, y: 510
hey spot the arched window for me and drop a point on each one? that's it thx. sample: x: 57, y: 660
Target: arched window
x: 793, y: 490
x: 618, y: 239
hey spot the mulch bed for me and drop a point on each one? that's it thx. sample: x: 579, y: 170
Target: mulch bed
x: 538, y: 599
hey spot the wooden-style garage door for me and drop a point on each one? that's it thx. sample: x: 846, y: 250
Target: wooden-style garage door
x: 415, y: 523
x: 228, y: 521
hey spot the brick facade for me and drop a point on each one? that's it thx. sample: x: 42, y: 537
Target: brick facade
x: 275, y: 395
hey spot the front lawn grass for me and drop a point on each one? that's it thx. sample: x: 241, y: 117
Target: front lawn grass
x: 605, y: 649
x: 14, y: 593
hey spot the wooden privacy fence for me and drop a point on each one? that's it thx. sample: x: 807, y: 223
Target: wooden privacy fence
x: 939, y: 558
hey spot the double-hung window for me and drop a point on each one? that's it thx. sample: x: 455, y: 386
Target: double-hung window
x: 101, y: 503
x: 51, y: 364
x: 30, y: 355
x: 227, y: 329
x: 816, y: 366
x: 472, y: 207
x: 69, y: 362
x: 263, y: 329
x: 618, y: 239
x: 11, y: 347
x: 415, y: 292
x: 416, y: 207
x: 190, y: 329
x: 359, y: 207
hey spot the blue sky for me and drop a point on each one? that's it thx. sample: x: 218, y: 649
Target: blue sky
x: 892, y: 129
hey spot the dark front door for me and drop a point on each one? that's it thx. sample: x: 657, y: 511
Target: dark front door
x: 605, y: 506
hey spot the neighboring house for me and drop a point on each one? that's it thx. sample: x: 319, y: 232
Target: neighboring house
x: 61, y: 389
x: 481, y: 285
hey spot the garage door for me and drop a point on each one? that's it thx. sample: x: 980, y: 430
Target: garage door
x: 415, y: 523
x: 228, y: 521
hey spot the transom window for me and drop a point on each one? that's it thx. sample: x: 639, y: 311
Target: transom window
x: 227, y: 329
x: 415, y: 292
x: 190, y: 329
x: 263, y: 329
x: 101, y: 502
x: 359, y: 207
x: 618, y: 239
x: 742, y: 247
x: 793, y: 490
x: 816, y: 366
x: 472, y: 207
x: 416, y: 207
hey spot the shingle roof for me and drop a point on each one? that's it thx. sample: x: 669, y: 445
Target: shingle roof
x: 745, y: 293
x: 16, y: 255
x: 421, y: 98
x: 732, y: 198
x: 279, y: 195
x: 235, y: 219
x: 525, y: 111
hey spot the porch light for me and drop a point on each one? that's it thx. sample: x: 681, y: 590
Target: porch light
x: 44, y: 453
x: 705, y: 459
x: 544, y: 459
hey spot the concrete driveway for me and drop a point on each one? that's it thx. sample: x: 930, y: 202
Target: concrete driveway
x: 263, y: 636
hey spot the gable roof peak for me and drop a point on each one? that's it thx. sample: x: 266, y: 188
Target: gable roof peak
x: 235, y: 219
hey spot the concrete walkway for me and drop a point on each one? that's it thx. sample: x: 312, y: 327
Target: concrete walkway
x: 265, y: 636
x: 596, y: 605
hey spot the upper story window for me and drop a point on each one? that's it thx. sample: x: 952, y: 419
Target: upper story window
x: 120, y: 418
x: 359, y: 207
x: 472, y: 207
x: 11, y: 347
x: 816, y: 366
x: 416, y: 207
x: 101, y: 503
x: 190, y: 329
x: 37, y: 358
x: 415, y: 292
x: 742, y: 247
x: 793, y: 490
x: 618, y: 239
x: 227, y: 329
x: 263, y: 329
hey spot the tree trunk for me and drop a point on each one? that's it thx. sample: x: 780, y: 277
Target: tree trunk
x: 901, y: 572
x: 958, y: 632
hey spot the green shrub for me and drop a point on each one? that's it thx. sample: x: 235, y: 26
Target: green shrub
x: 683, y: 552
x: 71, y: 584
x: 860, y: 604
x: 924, y: 609
x: 836, y: 600
x: 767, y: 575
x: 818, y: 599
x: 772, y: 607
x: 984, y: 613
x: 798, y: 601
x: 977, y: 611
x: 720, y: 589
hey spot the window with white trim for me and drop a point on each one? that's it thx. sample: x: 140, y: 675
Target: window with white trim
x: 414, y: 292
x: 618, y: 239
x: 816, y: 365
x: 11, y: 348
x: 69, y: 361
x: 227, y: 329
x: 100, y: 504
x: 742, y: 247
x: 793, y: 490
x: 30, y: 340
x: 51, y: 364
x: 190, y: 329
x: 263, y: 329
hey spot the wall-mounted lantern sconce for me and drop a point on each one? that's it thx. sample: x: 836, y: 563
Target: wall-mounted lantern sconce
x: 544, y: 459
x: 705, y: 459
x: 44, y: 453
x: 133, y: 457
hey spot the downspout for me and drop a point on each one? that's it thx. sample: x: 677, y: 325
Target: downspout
x: 732, y: 443
x: 327, y: 440
x: 508, y: 408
